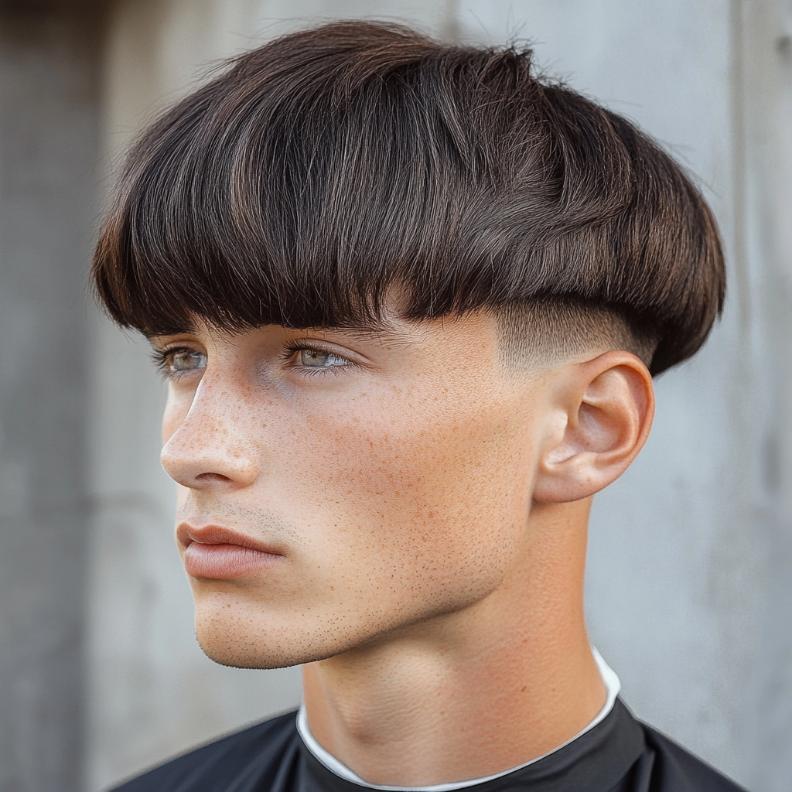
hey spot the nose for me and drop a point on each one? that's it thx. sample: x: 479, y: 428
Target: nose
x: 208, y: 447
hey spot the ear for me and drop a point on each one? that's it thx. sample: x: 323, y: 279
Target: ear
x: 600, y: 415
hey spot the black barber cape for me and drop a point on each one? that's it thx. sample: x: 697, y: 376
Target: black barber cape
x: 619, y: 754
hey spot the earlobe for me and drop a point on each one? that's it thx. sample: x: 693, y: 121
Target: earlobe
x: 603, y: 415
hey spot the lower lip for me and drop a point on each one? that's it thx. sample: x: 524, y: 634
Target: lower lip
x: 225, y: 560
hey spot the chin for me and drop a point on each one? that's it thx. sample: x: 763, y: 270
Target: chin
x: 251, y: 637
x: 242, y: 634
x: 243, y: 637
x: 238, y: 655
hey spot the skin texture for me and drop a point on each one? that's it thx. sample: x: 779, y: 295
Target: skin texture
x: 432, y: 510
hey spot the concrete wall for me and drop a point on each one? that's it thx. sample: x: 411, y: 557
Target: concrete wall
x: 688, y: 586
x: 48, y: 136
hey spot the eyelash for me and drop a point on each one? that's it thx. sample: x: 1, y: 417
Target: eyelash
x: 162, y: 359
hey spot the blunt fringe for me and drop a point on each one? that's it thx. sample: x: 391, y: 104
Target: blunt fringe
x: 313, y: 172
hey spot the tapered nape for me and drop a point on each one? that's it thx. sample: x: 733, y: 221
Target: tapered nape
x: 319, y: 169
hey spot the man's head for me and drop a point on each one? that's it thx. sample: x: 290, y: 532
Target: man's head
x: 496, y: 265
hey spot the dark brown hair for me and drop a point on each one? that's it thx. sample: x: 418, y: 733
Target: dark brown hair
x: 316, y: 170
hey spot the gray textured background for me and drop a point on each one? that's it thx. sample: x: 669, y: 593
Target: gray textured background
x: 689, y: 581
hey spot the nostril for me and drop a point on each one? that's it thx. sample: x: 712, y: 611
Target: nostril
x: 212, y: 477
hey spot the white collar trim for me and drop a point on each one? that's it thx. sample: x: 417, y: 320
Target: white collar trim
x: 609, y: 677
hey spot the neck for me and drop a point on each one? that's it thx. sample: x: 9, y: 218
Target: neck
x: 473, y: 692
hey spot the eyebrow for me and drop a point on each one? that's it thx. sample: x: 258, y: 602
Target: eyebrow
x: 385, y: 333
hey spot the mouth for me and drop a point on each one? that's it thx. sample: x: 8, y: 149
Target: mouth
x: 212, y: 551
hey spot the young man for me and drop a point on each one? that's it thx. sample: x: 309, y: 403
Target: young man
x: 409, y: 301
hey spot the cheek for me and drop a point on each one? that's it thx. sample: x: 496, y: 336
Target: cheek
x: 430, y: 490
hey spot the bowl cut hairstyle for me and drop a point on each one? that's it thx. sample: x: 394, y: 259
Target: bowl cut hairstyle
x: 313, y: 172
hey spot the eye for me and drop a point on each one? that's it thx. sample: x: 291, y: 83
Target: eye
x: 175, y: 363
x: 315, y: 354
x: 168, y: 362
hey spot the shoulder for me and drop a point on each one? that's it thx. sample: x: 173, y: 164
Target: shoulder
x: 215, y: 764
x: 666, y: 766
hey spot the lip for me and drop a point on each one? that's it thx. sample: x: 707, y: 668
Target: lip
x: 213, y: 551
x: 217, y: 534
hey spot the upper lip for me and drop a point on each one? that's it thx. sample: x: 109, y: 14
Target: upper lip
x: 216, y: 534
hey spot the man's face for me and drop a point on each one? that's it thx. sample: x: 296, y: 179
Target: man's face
x: 398, y: 488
